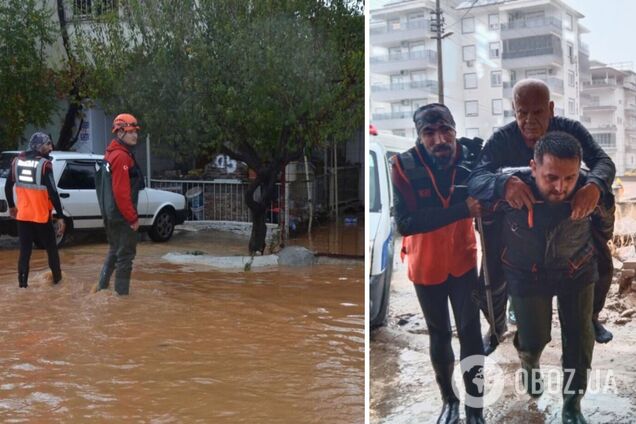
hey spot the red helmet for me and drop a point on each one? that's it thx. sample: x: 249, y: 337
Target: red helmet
x: 126, y: 122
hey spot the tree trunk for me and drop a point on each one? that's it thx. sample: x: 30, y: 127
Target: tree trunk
x: 259, y: 231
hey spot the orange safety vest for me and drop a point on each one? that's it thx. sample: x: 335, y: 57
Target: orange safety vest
x: 33, y: 201
x: 450, y: 250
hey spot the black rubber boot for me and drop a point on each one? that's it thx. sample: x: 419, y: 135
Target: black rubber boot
x: 104, y: 278
x: 22, y: 280
x: 601, y: 334
x: 531, y: 377
x: 490, y: 343
x: 57, y: 277
x: 450, y: 408
x: 474, y: 416
x: 571, y: 413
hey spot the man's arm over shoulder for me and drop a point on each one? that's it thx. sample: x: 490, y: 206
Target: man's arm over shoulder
x: 120, y: 163
x: 602, y: 168
x: 485, y: 181
x: 409, y: 219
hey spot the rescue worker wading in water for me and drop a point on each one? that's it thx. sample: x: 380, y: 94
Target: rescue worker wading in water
x: 435, y: 219
x: 32, y: 176
x: 118, y: 183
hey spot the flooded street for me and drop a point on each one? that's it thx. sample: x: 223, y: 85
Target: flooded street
x: 403, y: 388
x: 190, y: 344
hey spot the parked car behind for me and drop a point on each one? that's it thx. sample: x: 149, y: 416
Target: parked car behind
x: 380, y: 234
x: 159, y: 211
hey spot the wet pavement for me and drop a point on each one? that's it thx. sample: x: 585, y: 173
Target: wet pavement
x: 403, y: 388
x: 190, y: 344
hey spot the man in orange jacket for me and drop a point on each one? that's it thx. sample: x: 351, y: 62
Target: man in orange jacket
x: 117, y: 184
x: 32, y: 176
x: 436, y: 222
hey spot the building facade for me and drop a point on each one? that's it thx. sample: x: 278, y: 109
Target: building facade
x: 494, y: 44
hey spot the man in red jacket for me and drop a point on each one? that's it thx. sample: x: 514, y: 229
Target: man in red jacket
x: 435, y: 218
x: 118, y: 183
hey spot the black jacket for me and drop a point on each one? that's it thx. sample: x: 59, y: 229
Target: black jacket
x: 506, y: 148
x: 548, y: 253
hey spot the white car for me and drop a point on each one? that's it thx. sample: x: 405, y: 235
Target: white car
x: 380, y: 234
x: 159, y: 211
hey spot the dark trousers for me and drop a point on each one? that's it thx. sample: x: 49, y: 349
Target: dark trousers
x: 122, y: 248
x: 500, y: 290
x: 534, y: 322
x: 434, y: 303
x: 28, y: 232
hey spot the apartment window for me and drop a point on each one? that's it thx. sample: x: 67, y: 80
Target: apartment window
x: 493, y: 22
x: 394, y: 24
x: 401, y: 133
x: 470, y: 80
x: 468, y: 25
x: 472, y: 108
x: 571, y: 52
x: 495, y: 78
x: 605, y: 140
x: 571, y: 78
x: 571, y: 106
x: 468, y: 53
x: 569, y: 22
x: 497, y: 107
x: 88, y: 8
x: 494, y: 49
x: 472, y: 132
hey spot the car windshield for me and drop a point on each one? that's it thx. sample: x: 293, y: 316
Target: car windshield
x: 5, y: 163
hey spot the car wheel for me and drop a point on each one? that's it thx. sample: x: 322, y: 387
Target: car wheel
x: 380, y: 320
x: 163, y: 227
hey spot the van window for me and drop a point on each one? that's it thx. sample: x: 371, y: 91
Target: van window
x: 375, y: 204
x: 78, y: 175
x: 6, y: 159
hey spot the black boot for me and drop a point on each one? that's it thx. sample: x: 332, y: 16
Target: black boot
x: 474, y: 416
x: 490, y: 343
x: 601, y: 334
x: 57, y: 277
x: 571, y: 413
x: 531, y: 377
x: 450, y: 408
x: 22, y: 280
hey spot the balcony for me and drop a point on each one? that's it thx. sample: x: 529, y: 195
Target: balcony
x: 600, y: 83
x: 393, y: 120
x: 386, y: 36
x: 531, y: 27
x: 602, y: 128
x: 404, y: 61
x: 532, y: 57
x: 599, y: 107
x: 405, y: 90
x: 555, y: 84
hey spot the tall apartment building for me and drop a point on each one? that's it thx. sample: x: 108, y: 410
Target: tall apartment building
x: 494, y: 44
x: 609, y: 112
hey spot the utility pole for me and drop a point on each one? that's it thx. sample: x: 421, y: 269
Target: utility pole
x: 437, y: 27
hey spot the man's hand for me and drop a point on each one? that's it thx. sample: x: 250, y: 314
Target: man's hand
x: 474, y: 207
x: 518, y: 194
x: 61, y: 226
x: 13, y: 212
x: 135, y: 226
x: 585, y: 200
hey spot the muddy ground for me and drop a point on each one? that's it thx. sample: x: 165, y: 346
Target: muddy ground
x: 403, y: 388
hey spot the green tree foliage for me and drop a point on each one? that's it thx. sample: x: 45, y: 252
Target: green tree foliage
x: 261, y: 80
x: 27, y: 83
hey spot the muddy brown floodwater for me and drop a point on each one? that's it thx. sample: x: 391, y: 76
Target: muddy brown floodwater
x: 190, y: 344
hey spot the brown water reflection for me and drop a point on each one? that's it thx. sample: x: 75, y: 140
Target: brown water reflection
x: 188, y: 345
x: 334, y: 239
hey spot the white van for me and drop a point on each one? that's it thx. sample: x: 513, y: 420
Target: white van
x: 380, y: 234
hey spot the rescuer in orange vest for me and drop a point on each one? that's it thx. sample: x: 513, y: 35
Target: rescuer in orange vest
x: 32, y: 176
x: 435, y: 218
